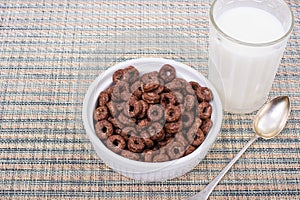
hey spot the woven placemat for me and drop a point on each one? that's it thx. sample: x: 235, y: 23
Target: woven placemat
x: 50, y: 53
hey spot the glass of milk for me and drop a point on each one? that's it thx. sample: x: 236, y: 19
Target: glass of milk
x: 246, y: 43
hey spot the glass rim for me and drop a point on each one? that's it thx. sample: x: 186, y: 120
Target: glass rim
x: 258, y: 44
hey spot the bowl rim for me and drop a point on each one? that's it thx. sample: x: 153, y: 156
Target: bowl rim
x: 96, y: 141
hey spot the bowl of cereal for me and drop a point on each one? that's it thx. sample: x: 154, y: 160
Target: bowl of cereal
x: 151, y: 119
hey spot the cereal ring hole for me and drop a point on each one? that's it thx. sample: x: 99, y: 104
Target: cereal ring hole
x: 104, y: 129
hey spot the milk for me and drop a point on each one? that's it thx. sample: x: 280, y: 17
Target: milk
x: 243, y: 73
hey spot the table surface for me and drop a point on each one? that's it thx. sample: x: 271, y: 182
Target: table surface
x: 50, y: 53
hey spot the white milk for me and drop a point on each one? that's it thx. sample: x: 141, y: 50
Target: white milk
x: 243, y: 74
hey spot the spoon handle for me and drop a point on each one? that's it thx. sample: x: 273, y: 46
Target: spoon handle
x: 204, y: 194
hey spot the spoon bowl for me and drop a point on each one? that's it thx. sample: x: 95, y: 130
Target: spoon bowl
x: 268, y: 122
x: 271, y: 119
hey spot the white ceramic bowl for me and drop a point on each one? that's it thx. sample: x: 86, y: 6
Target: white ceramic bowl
x: 146, y: 171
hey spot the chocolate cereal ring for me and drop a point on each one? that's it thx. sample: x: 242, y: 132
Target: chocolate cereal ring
x: 195, y: 85
x: 173, y: 127
x: 121, y: 92
x: 204, y: 94
x: 146, y: 137
x: 133, y: 108
x: 175, y: 84
x: 131, y: 74
x: 168, y: 98
x: 175, y: 150
x: 167, y: 73
x: 190, y: 150
x: 143, y: 123
x: 130, y: 155
x: 100, y: 113
x: 103, y: 98
x: 205, y: 110
x: 155, y: 112
x: 172, y: 113
x: 128, y: 132
x: 144, y: 106
x: 148, y: 155
x: 187, y: 119
x: 149, y: 87
x: 191, y: 134
x: 206, y: 125
x: 118, y: 75
x: 189, y: 102
x: 104, y: 129
x: 161, y: 157
x: 150, y: 77
x: 111, y: 108
x: 156, y: 131
x: 135, y: 144
x: 151, y: 97
x: 199, y: 138
x: 118, y: 141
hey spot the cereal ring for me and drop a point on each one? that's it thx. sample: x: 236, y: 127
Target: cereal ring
x: 205, y: 110
x: 118, y: 141
x: 156, y: 131
x: 161, y: 157
x: 130, y: 155
x: 121, y: 92
x: 159, y: 89
x: 179, y: 97
x: 144, y: 109
x: 204, y: 94
x: 142, y: 123
x: 128, y: 131
x: 187, y: 119
x: 124, y: 120
x: 168, y: 98
x: 118, y: 75
x: 189, y: 102
x: 149, y: 87
x: 103, y: 129
x: 103, y: 98
x: 135, y: 86
x: 175, y: 84
x: 151, y: 97
x: 199, y: 138
x: 148, y: 155
x: 114, y: 122
x: 173, y: 127
x: 206, y: 125
x: 133, y: 109
x: 146, y: 137
x: 118, y: 131
x: 175, y: 150
x: 189, y: 150
x: 101, y: 113
x: 189, y: 89
x: 195, y: 85
x: 115, y: 108
x: 155, y: 112
x: 109, y: 91
x: 150, y: 77
x: 167, y: 73
x: 191, y: 134
x: 165, y: 142
x: 179, y: 137
x: 172, y: 113
x: 131, y: 74
x: 135, y: 144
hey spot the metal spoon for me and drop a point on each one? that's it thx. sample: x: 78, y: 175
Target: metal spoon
x: 268, y: 122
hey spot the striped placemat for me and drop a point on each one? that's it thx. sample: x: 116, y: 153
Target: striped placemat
x: 51, y: 51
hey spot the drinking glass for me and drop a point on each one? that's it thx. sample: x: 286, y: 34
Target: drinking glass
x: 245, y: 50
